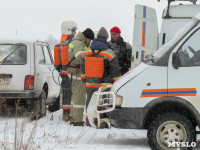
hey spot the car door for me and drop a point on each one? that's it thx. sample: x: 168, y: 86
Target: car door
x: 53, y: 75
x: 44, y: 69
x: 184, y: 81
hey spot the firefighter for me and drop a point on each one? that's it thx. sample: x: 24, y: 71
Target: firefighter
x: 122, y: 50
x: 80, y: 43
x: 68, y: 29
x: 99, y: 66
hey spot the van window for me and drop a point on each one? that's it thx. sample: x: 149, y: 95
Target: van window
x: 40, y: 54
x: 46, y: 55
x: 13, y: 54
x: 189, y: 52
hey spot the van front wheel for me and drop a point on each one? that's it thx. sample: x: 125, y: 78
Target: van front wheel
x: 172, y: 128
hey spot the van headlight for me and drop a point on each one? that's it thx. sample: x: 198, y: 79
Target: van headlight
x: 118, y: 101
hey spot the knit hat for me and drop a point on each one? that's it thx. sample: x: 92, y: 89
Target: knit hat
x: 88, y: 33
x: 115, y: 30
x: 103, y: 33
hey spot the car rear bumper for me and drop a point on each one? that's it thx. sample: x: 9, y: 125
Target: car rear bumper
x: 19, y: 94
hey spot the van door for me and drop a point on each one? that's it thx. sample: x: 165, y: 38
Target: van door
x: 145, y: 33
x: 14, y: 66
x: 184, y: 81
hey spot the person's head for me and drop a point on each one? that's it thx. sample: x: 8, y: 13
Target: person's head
x: 115, y: 33
x: 89, y: 35
x: 103, y: 33
x: 69, y: 28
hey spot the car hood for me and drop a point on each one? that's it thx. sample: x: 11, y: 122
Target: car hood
x: 129, y: 76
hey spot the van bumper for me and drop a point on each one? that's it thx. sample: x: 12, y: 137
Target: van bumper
x: 128, y: 118
x: 19, y: 94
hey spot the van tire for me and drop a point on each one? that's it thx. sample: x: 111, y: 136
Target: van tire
x: 39, y: 106
x: 170, y: 123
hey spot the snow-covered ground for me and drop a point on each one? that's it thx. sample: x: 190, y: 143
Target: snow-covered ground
x: 51, y: 133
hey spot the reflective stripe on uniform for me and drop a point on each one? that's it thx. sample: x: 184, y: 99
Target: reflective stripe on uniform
x: 103, y: 53
x: 78, y: 106
x: 115, y: 79
x: 84, y: 48
x: 74, y: 77
x: 66, y: 106
x: 64, y: 72
x: 83, y: 76
x: 71, y: 45
x: 96, y: 85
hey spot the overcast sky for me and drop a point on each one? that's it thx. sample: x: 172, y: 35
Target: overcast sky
x: 40, y: 18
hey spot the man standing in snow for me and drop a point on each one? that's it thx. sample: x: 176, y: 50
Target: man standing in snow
x: 68, y: 29
x: 122, y: 50
x: 99, y: 66
x: 80, y: 43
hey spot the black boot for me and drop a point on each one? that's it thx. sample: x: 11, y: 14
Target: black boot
x: 87, y: 122
x: 78, y: 124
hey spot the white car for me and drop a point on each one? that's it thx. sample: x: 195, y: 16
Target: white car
x: 26, y: 70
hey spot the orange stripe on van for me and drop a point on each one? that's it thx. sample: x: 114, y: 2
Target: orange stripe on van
x: 169, y: 92
x: 144, y: 11
x: 142, y: 55
x: 183, y: 89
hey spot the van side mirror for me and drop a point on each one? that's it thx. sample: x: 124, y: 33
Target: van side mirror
x: 175, y: 60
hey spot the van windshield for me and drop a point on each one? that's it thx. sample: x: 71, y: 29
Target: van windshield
x: 161, y: 56
x: 12, y: 54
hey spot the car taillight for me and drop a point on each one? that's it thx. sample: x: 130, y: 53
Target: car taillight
x: 29, y: 83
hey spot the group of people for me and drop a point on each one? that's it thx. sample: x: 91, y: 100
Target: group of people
x: 86, y: 63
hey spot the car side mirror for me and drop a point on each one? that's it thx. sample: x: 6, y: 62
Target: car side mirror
x: 175, y: 60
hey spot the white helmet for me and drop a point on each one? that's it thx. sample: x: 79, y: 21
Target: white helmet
x: 68, y: 26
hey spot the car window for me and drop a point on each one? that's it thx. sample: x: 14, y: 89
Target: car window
x: 13, y: 54
x: 47, y: 55
x: 189, y: 52
x: 40, y: 54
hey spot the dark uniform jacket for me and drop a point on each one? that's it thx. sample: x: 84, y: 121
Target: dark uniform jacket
x: 123, y: 52
x: 111, y: 65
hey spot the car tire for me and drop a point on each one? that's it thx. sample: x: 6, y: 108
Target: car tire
x: 39, y: 106
x: 170, y: 127
x: 57, y: 104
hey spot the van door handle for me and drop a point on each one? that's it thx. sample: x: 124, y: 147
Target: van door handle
x: 149, y: 84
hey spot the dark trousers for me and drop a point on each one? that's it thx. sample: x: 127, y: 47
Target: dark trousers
x: 89, y: 92
x: 67, y: 94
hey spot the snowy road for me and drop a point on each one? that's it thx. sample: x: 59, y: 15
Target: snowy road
x: 51, y: 133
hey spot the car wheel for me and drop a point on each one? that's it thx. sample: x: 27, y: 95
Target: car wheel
x: 39, y: 109
x: 170, y: 127
x: 43, y: 102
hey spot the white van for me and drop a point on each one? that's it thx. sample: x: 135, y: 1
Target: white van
x: 161, y: 95
x: 26, y: 69
x: 146, y: 38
